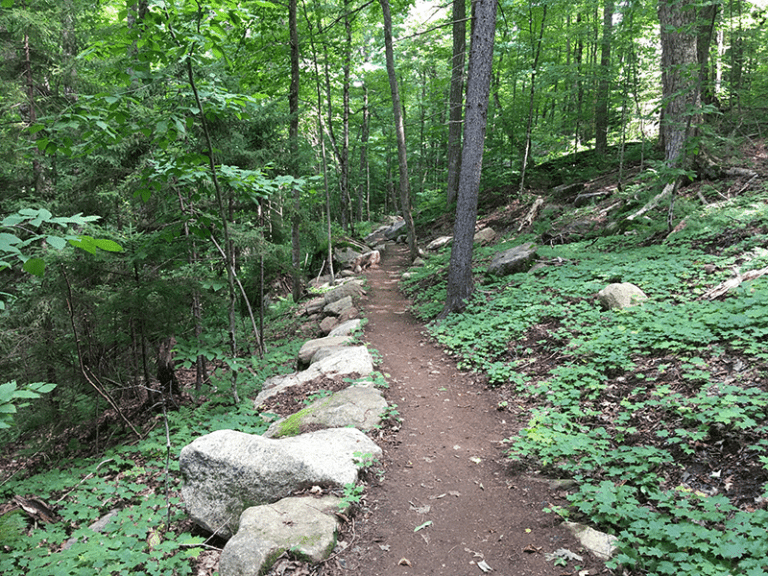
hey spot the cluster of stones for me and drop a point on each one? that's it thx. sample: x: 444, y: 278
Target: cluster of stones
x: 242, y: 486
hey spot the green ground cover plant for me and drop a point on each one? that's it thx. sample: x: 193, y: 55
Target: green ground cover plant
x: 657, y: 411
x: 150, y: 533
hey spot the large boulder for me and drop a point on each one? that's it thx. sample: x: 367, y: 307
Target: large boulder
x: 328, y: 323
x: 517, y: 259
x: 439, y: 242
x: 359, y: 406
x: 311, y: 346
x: 346, y: 328
x: 620, y: 295
x: 346, y: 256
x: 396, y: 229
x: 372, y: 258
x: 227, y: 471
x: 485, y: 236
x: 351, y: 289
x: 336, y: 307
x: 346, y: 360
x: 304, y: 526
x: 377, y: 237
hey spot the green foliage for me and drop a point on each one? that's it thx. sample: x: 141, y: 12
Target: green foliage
x: 353, y: 494
x: 609, y: 373
x: 10, y: 394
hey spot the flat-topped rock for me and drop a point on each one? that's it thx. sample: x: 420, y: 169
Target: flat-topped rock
x: 304, y: 526
x: 311, y: 346
x: 360, y: 406
x: 346, y: 360
x: 227, y: 471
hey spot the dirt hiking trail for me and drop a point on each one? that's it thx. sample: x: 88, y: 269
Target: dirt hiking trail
x: 444, y: 470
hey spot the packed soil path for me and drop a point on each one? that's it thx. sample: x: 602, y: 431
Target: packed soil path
x: 444, y: 471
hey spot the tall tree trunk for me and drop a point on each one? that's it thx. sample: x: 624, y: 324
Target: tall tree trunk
x: 707, y: 19
x: 460, y: 284
x: 38, y: 172
x: 604, y: 84
x: 536, y: 53
x: 293, y: 136
x: 402, y: 156
x: 456, y: 100
x: 321, y: 136
x: 346, y: 200
x: 579, y: 59
x: 363, y: 188
x: 679, y: 74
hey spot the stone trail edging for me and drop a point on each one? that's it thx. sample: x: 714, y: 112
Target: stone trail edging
x: 239, y: 485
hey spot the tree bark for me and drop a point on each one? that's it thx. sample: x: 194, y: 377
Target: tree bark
x: 460, y: 283
x: 707, y: 19
x: 363, y: 188
x: 456, y: 97
x: 402, y: 155
x: 293, y: 136
x: 604, y: 85
x: 679, y: 75
x: 536, y: 53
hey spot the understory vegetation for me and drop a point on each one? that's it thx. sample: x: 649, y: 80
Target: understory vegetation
x: 657, y: 411
x: 68, y: 486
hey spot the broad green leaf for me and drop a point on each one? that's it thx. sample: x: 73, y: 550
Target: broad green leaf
x: 35, y: 266
x: 57, y: 242
x: 84, y: 243
x: 42, y: 387
x: 7, y: 390
x: 108, y: 245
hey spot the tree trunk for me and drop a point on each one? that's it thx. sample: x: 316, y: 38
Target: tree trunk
x: 460, y: 284
x: 604, y: 84
x: 679, y: 74
x: 707, y: 18
x: 536, y: 53
x: 363, y: 188
x: 402, y: 156
x: 293, y: 136
x: 456, y: 97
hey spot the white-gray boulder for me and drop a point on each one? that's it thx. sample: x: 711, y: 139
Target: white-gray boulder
x: 227, y: 471
x: 359, y: 406
x: 517, y: 259
x: 485, y: 236
x: 439, y: 242
x: 346, y: 360
x: 311, y: 346
x: 305, y: 526
x: 346, y: 328
x: 599, y: 543
x: 620, y: 295
x: 346, y: 256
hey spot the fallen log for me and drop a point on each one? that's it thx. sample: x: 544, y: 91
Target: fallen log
x: 531, y: 216
x: 725, y: 287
